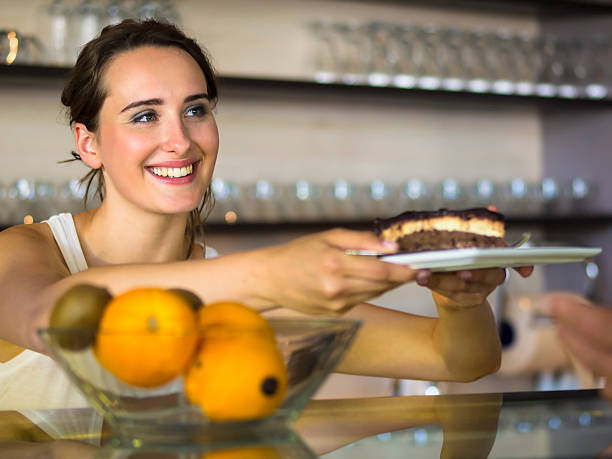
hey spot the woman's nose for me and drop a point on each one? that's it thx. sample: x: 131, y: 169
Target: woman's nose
x: 175, y: 137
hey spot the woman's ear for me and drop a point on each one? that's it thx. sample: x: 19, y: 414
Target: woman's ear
x: 85, y: 143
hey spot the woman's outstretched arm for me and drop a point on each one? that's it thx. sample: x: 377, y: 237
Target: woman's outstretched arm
x: 311, y: 274
x: 461, y: 344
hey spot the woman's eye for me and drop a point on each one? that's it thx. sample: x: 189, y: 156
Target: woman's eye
x: 145, y: 117
x: 196, y: 110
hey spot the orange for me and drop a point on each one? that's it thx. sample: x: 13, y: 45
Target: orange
x: 216, y: 318
x: 249, y: 452
x: 147, y: 336
x: 236, y: 377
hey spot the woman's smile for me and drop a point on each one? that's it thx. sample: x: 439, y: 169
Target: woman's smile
x: 174, y: 172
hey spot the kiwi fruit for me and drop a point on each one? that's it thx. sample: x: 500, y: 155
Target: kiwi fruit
x: 78, y: 312
x: 193, y: 299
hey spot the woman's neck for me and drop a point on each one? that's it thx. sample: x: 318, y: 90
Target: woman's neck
x: 109, y: 237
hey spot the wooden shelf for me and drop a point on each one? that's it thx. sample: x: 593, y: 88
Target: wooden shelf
x: 229, y: 83
x: 549, y: 221
x: 586, y: 221
x: 566, y: 7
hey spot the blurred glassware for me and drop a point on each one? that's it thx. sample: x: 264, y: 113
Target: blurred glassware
x: 503, y: 65
x: 353, y: 60
x: 453, y: 70
x: 340, y: 201
x: 30, y: 50
x: 415, y: 194
x: 116, y: 11
x: 45, y: 201
x: 301, y: 201
x: 227, y: 207
x: 162, y: 10
x: 527, y: 61
x: 599, y: 70
x: 484, y: 193
x: 260, y: 202
x: 170, y: 11
x: 450, y: 194
x: 430, y: 57
x: 382, y: 55
x: 475, y: 55
x: 578, y: 194
x: 427, y: 55
x: 580, y: 189
x: 325, y: 55
x: 518, y: 197
x: 70, y: 195
x: 55, y: 29
x: 87, y: 20
x: 21, y: 197
x: 378, y: 200
x: 551, y: 69
x: 548, y: 195
x: 402, y: 46
x: 567, y: 85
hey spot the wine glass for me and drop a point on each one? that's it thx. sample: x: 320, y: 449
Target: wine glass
x: 55, y: 28
x: 87, y: 20
x: 403, y: 45
x: 325, y: 54
x: 382, y: 56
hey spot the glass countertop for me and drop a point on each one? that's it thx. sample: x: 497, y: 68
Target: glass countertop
x: 559, y: 424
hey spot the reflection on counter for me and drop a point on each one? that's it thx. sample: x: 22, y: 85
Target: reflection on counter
x: 530, y: 425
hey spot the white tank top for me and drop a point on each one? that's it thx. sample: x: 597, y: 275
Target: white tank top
x: 33, y: 384
x: 32, y: 380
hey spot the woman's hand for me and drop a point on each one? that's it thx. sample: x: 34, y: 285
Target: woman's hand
x: 465, y: 288
x: 461, y: 289
x: 314, y: 275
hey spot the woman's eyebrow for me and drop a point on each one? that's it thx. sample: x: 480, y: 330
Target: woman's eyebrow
x: 139, y: 103
x: 197, y: 96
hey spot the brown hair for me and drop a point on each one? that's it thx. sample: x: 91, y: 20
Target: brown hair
x: 84, y: 93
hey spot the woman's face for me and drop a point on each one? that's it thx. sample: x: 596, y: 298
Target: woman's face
x: 157, y: 137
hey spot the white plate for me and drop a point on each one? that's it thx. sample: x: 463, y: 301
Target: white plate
x: 456, y: 259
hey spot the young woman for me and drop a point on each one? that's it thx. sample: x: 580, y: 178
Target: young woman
x: 140, y: 101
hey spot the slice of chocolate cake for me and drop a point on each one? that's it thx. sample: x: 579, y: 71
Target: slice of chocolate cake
x: 443, y: 229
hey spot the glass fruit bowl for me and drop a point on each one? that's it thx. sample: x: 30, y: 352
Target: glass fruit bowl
x: 310, y: 349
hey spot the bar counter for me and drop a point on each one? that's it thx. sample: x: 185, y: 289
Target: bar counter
x: 559, y: 424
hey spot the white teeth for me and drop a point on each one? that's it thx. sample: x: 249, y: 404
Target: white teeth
x: 174, y: 172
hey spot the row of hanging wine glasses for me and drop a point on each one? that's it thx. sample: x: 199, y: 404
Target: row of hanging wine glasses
x: 434, y: 57
x: 66, y: 25
x: 308, y: 201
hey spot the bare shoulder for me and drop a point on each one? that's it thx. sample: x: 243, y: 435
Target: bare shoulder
x: 26, y: 244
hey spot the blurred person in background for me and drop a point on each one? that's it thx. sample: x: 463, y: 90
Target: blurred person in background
x: 585, y: 329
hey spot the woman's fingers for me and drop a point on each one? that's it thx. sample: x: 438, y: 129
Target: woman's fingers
x: 342, y: 295
x: 463, y: 288
x: 361, y: 240
x: 473, y: 280
x: 524, y: 271
x: 374, y: 269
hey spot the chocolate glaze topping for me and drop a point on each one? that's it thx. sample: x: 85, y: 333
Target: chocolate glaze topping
x: 465, y: 214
